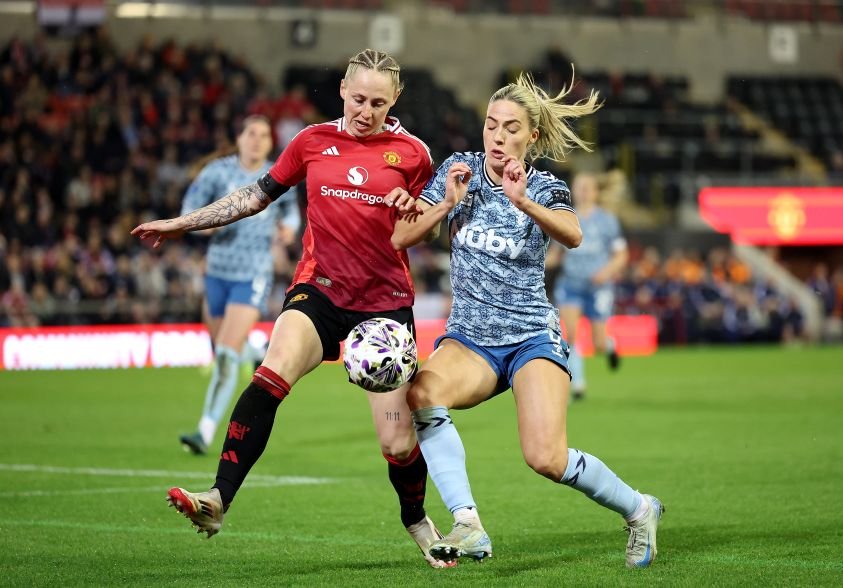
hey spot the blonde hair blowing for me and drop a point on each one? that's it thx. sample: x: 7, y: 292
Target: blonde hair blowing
x: 549, y: 115
x: 376, y: 61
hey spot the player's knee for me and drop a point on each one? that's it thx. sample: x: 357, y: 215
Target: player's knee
x: 547, y: 461
x: 421, y: 394
x: 398, y: 448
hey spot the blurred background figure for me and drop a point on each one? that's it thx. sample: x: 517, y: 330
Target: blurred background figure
x: 586, y: 285
x: 239, y: 268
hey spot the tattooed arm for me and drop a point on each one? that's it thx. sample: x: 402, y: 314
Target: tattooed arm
x: 246, y: 201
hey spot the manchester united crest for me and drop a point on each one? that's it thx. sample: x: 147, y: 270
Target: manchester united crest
x: 786, y: 216
x: 391, y: 157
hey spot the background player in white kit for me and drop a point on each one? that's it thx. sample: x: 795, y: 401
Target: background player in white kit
x: 502, y: 331
x: 586, y: 284
x: 239, y: 271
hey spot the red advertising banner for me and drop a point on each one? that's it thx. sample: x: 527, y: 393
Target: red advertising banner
x: 775, y: 216
x: 182, y: 345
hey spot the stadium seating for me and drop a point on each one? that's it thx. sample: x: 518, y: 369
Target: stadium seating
x: 809, y: 110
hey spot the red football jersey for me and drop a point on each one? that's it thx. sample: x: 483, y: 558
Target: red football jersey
x: 347, y: 252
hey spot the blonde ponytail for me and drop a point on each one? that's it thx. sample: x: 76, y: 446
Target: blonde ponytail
x: 549, y: 115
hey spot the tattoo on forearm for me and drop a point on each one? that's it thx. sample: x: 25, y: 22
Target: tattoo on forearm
x: 241, y: 203
x: 393, y: 415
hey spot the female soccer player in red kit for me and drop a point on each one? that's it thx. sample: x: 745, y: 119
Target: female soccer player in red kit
x: 362, y: 171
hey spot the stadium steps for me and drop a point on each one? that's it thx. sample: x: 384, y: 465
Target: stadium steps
x: 807, y: 164
x: 765, y: 267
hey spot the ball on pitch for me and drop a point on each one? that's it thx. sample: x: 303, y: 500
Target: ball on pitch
x: 380, y: 355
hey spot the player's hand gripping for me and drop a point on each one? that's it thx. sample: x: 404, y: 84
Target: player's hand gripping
x: 515, y: 183
x: 403, y: 201
x: 456, y: 184
x: 160, y: 230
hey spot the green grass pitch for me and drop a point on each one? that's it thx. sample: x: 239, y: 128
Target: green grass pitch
x: 743, y: 445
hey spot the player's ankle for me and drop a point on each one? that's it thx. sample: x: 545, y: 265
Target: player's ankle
x: 466, y: 515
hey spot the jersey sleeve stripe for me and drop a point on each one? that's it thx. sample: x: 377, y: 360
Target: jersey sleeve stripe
x: 428, y: 200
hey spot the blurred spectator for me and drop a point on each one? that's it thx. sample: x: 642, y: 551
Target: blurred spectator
x: 707, y: 300
x: 91, y: 142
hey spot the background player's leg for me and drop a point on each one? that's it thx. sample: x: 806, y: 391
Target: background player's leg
x: 570, y: 315
x: 233, y: 332
x: 603, y: 343
x: 213, y: 307
x: 602, y: 305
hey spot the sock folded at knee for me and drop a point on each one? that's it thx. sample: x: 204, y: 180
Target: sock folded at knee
x: 445, y: 456
x: 249, y: 430
x: 593, y: 478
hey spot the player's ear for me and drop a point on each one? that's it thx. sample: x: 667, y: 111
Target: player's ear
x: 395, y: 98
x: 342, y: 88
x: 534, y: 136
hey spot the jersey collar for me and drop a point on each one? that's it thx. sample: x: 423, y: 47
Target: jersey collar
x: 391, y: 124
x: 497, y: 187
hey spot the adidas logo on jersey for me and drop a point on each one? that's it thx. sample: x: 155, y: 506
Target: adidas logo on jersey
x: 477, y: 238
x: 331, y: 151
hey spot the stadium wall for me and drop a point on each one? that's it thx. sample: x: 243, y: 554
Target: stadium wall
x: 706, y: 49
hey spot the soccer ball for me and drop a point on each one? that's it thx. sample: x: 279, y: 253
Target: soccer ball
x: 379, y: 355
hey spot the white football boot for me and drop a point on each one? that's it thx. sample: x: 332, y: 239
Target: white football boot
x: 466, y: 539
x: 641, y: 547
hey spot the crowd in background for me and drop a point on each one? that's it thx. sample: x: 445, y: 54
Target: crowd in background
x: 94, y: 141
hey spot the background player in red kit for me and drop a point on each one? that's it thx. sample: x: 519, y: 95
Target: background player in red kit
x: 362, y: 171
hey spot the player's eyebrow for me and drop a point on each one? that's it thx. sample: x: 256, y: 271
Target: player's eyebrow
x: 364, y: 97
x: 506, y: 122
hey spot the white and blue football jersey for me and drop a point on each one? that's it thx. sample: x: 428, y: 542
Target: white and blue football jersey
x: 240, y: 251
x: 601, y: 238
x: 497, y: 256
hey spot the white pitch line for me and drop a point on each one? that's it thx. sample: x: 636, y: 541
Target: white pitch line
x: 39, y: 493
x: 119, y: 490
x: 129, y: 473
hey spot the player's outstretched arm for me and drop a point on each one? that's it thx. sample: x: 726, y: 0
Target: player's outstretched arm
x: 424, y: 225
x: 246, y: 201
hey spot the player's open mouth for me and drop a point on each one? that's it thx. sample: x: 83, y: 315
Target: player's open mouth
x: 361, y: 126
x: 497, y: 154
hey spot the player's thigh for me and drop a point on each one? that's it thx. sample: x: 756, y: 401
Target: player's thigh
x: 393, y: 421
x: 540, y: 389
x: 570, y: 315
x: 294, y: 346
x: 236, y: 324
x: 453, y: 376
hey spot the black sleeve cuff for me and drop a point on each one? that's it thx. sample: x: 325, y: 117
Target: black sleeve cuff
x: 270, y: 187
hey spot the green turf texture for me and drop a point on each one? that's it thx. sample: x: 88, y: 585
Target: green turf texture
x: 743, y: 445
